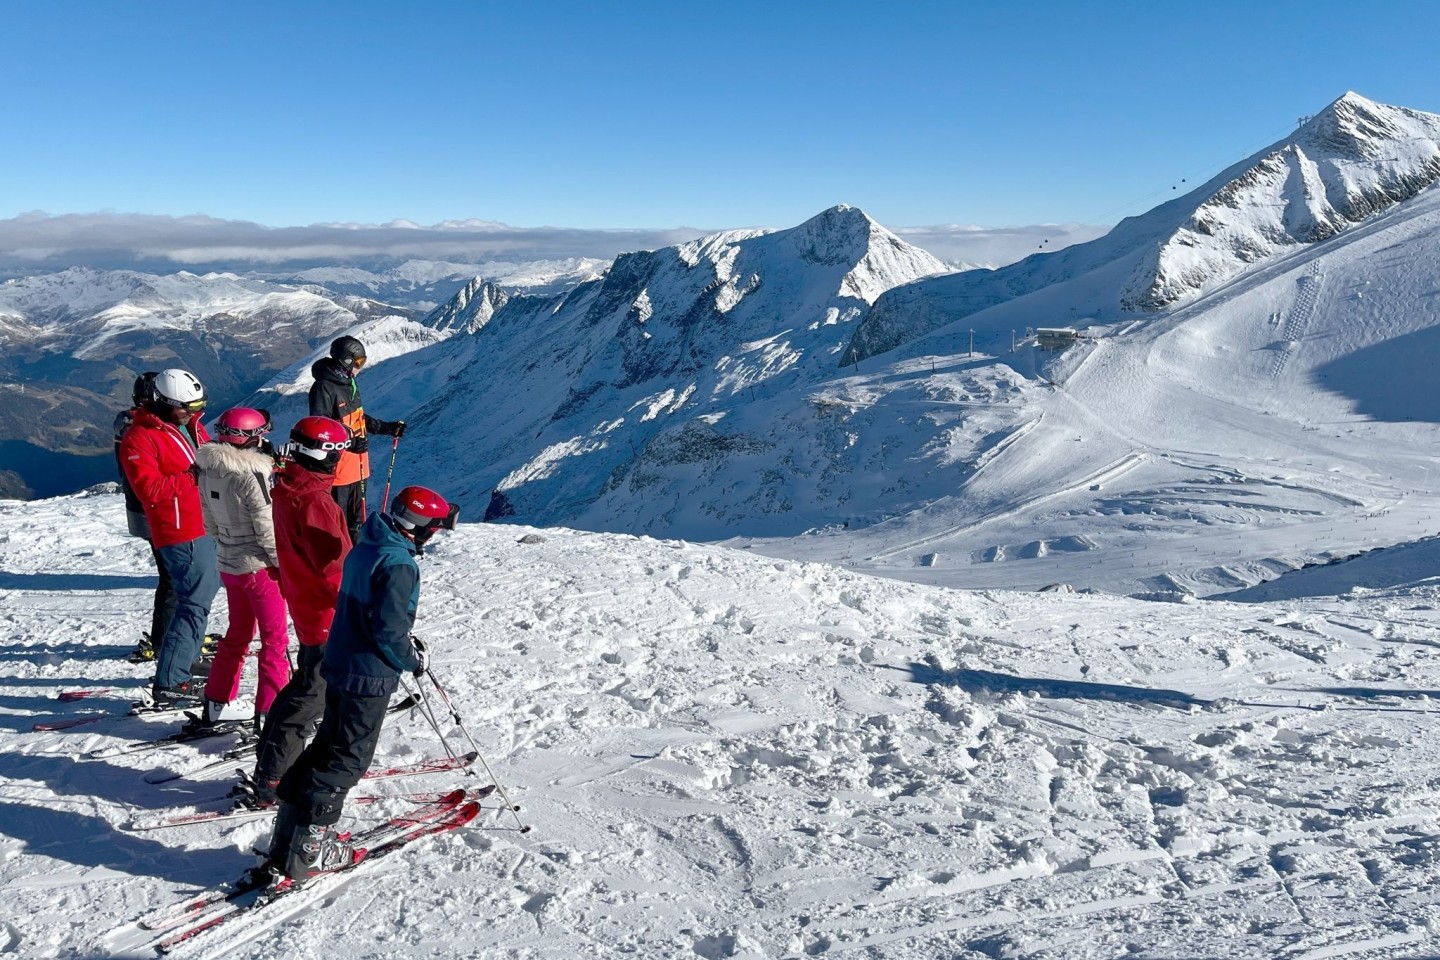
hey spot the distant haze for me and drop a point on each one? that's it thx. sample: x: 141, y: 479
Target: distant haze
x: 39, y: 243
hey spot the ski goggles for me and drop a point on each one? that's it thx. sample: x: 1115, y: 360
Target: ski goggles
x: 327, y: 445
x: 260, y: 431
x: 190, y: 406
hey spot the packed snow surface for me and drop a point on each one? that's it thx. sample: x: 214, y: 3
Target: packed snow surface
x: 724, y: 755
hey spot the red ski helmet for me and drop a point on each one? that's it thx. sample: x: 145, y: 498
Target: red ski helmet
x: 317, y: 442
x: 421, y: 511
x: 242, y: 426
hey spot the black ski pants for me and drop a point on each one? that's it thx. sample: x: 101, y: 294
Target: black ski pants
x: 336, y: 759
x: 351, y: 498
x: 293, y: 716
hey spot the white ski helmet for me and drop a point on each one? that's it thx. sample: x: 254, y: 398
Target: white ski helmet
x: 179, y: 388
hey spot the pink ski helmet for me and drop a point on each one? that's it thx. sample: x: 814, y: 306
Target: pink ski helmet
x: 242, y: 426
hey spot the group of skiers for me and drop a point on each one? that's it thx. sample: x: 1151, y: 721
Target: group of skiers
x: 282, y: 531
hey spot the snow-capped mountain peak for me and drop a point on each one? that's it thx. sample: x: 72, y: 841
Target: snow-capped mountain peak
x: 586, y: 380
x: 1348, y: 162
x: 1342, y: 166
x: 470, y: 309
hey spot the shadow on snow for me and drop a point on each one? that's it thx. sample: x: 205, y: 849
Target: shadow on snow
x: 987, y: 681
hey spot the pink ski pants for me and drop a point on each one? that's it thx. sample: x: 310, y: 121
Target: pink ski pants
x: 254, y: 599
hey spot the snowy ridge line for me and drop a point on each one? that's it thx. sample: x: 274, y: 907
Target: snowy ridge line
x: 1104, y: 475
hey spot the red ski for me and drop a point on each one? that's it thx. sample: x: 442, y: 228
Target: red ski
x: 373, y: 845
x: 424, y: 766
x: 250, y: 813
x: 69, y: 696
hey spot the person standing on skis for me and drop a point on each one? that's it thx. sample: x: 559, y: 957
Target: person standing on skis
x: 370, y: 645
x: 235, y: 476
x: 157, y: 454
x: 313, y: 540
x: 336, y: 395
x: 164, y: 606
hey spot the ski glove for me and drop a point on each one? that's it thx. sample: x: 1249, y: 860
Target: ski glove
x: 359, y: 443
x: 387, y: 428
x: 422, y: 654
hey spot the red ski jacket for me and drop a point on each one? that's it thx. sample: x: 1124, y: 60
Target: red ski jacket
x: 157, y: 458
x: 312, y: 541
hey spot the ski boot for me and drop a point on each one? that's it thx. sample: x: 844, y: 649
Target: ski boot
x: 144, y: 652
x: 315, y: 850
x: 170, y: 698
x: 255, y: 793
x: 218, y: 715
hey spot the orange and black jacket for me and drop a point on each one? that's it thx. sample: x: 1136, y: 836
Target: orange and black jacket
x: 336, y: 395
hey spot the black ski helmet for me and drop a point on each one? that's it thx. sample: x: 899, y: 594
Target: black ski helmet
x: 348, y: 351
x: 144, y: 389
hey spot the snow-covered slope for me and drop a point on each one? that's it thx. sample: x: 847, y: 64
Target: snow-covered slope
x: 74, y: 340
x: 721, y: 755
x: 1351, y: 160
x: 1280, y: 420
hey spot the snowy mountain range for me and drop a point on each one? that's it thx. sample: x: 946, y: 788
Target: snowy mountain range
x: 550, y: 401
x: 730, y: 388
x: 423, y: 285
x: 74, y: 340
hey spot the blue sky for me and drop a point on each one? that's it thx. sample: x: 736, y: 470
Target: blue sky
x: 648, y: 114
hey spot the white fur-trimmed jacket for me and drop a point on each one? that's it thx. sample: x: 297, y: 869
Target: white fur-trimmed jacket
x: 235, y: 496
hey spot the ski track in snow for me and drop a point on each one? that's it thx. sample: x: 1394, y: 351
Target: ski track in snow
x: 724, y: 755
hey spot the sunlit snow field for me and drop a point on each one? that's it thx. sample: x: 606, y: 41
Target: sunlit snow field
x: 724, y: 755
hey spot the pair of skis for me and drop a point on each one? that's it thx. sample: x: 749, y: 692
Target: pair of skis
x: 137, y: 709
x: 252, y: 896
x: 236, y: 812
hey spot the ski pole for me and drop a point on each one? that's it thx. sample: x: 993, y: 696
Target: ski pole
x: 385, y: 498
x: 429, y: 714
x: 455, y: 715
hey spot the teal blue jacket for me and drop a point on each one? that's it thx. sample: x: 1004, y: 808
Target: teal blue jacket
x: 369, y: 645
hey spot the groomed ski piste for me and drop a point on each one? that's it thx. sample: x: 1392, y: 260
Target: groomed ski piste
x: 727, y: 755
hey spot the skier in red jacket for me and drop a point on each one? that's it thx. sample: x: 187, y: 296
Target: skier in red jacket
x: 158, y: 457
x: 312, y: 540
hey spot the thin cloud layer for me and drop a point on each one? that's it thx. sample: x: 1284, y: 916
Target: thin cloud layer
x: 40, y: 243
x: 969, y: 246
